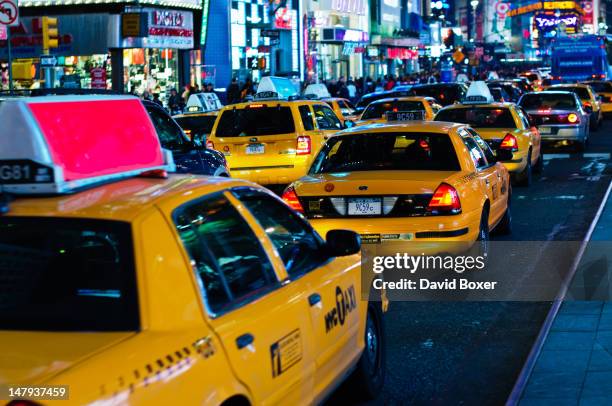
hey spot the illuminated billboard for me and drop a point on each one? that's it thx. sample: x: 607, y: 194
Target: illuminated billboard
x: 190, y: 4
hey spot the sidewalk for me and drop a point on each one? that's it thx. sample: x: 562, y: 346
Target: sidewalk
x: 574, y: 365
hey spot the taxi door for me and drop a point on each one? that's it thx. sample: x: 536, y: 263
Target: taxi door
x: 263, y: 326
x: 488, y: 174
x: 332, y: 285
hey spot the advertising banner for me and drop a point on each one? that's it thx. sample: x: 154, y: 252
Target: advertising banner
x: 498, y: 25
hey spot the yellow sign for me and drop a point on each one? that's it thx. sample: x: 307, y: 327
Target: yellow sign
x: 546, y: 5
x: 130, y: 24
x: 458, y: 56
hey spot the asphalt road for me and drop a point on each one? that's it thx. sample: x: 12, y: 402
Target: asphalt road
x: 471, y: 352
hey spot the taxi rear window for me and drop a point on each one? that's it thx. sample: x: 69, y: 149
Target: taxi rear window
x: 479, y: 117
x: 387, y: 151
x: 255, y: 121
x: 601, y: 87
x: 582, y: 92
x: 197, y: 124
x: 67, y: 275
x: 378, y: 110
x: 548, y: 101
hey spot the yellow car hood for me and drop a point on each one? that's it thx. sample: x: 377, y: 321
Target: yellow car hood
x: 35, y: 357
x: 374, y: 183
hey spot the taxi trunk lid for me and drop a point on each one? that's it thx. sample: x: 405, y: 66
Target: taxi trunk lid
x: 29, y: 357
x: 259, y: 151
x: 391, y: 193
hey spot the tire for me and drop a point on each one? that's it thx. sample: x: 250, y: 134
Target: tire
x: 481, y: 246
x: 525, y: 178
x: 505, y: 225
x: 368, y: 378
x: 539, y: 166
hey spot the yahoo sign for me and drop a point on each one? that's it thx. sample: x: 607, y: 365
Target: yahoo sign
x: 548, y: 22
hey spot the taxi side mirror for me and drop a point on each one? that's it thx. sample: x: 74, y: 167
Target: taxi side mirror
x: 504, y: 155
x: 340, y: 243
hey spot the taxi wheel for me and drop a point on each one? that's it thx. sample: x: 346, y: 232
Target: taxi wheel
x: 539, y: 166
x: 505, y: 225
x: 369, y: 376
x: 526, y: 177
x: 481, y: 246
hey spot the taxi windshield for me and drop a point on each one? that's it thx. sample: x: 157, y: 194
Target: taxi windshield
x: 255, y: 121
x: 67, y: 275
x: 196, y: 124
x: 479, y: 117
x: 378, y: 110
x: 387, y: 151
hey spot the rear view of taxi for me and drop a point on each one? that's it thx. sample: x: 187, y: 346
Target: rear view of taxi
x: 272, y: 140
x: 406, y: 182
x: 504, y: 127
x: 603, y: 89
x: 397, y: 109
x: 122, y: 285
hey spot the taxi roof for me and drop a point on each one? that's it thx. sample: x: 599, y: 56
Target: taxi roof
x: 473, y: 105
x: 124, y: 200
x: 559, y: 85
x: 400, y: 98
x: 441, y: 127
x: 273, y: 103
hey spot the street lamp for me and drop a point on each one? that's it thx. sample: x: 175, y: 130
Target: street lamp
x: 474, y: 4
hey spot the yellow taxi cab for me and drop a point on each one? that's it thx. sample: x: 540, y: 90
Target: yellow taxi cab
x: 129, y: 286
x: 603, y: 88
x: 419, y: 181
x: 504, y: 126
x: 197, y: 125
x: 401, y: 108
x: 342, y: 107
x: 271, y: 140
x: 589, y: 99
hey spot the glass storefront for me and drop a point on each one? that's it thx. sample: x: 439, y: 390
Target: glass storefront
x: 152, y: 70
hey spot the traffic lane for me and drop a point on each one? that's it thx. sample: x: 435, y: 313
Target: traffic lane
x: 472, y: 352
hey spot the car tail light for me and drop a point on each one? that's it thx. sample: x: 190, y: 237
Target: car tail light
x: 573, y: 118
x: 210, y: 144
x: 304, y: 145
x: 445, y: 199
x: 587, y: 104
x: 509, y: 142
x: 291, y: 198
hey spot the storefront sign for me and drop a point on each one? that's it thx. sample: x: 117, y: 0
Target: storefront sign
x: 498, y: 26
x: 189, y: 4
x: 166, y: 29
x: 402, y: 53
x: 98, y: 78
x: 283, y: 18
x: 3, y: 33
x: 345, y: 6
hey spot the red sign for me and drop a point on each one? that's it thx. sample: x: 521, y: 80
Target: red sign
x: 402, y: 53
x: 98, y: 78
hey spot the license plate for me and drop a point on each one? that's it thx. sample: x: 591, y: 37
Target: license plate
x: 255, y: 149
x: 364, y: 207
x: 404, y: 115
x: 23, y: 171
x: 545, y: 130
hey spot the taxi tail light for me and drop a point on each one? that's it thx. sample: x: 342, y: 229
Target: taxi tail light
x: 210, y: 144
x: 22, y: 403
x: 445, y: 199
x: 291, y: 198
x: 587, y: 104
x: 509, y: 142
x: 304, y: 145
x: 573, y: 118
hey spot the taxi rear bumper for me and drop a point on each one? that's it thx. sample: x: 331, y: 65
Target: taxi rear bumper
x: 272, y: 174
x: 563, y: 132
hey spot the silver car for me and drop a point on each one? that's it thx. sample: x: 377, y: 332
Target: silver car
x: 558, y: 115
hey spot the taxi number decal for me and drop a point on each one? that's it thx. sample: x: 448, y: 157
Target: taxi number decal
x: 346, y: 302
x: 24, y: 171
x: 286, y: 352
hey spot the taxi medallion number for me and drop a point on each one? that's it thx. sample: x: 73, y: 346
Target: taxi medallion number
x: 364, y: 207
x: 24, y: 171
x: 253, y: 149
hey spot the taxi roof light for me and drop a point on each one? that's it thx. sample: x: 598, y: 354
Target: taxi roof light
x: 445, y: 199
x: 290, y: 197
x: 62, y: 144
x: 478, y: 93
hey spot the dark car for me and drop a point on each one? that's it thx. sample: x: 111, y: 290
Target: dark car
x: 188, y: 157
x: 510, y: 87
x: 368, y: 98
x: 445, y: 93
x: 499, y: 94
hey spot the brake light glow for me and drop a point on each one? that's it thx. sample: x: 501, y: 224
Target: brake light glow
x: 304, y: 145
x: 572, y: 118
x: 509, y: 142
x: 446, y: 199
x: 256, y: 105
x: 587, y: 104
x: 291, y: 198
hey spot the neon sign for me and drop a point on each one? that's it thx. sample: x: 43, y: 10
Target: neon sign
x: 547, y: 22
